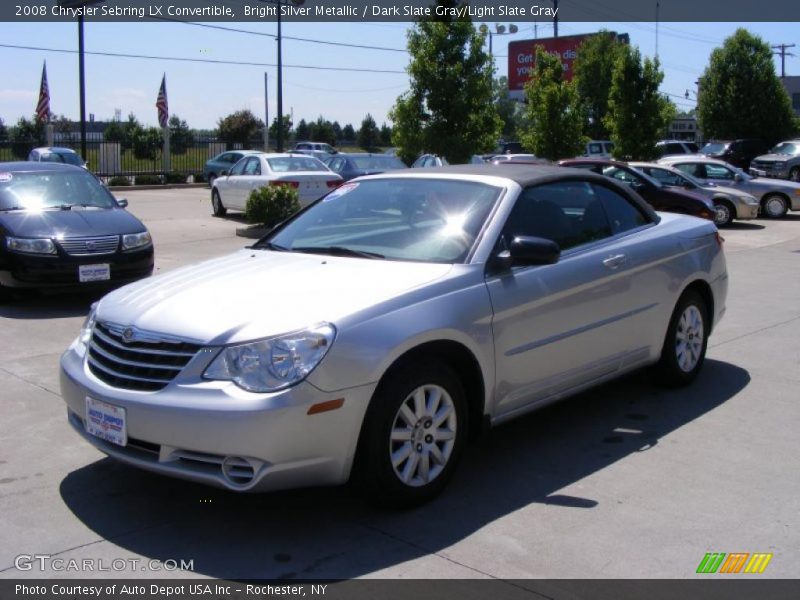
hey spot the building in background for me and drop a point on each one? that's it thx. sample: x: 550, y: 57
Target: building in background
x: 792, y: 85
x: 685, y: 128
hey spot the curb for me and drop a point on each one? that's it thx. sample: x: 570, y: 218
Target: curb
x: 167, y: 186
x: 252, y: 232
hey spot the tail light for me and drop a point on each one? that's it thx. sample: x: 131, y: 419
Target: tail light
x: 294, y: 184
x: 334, y: 183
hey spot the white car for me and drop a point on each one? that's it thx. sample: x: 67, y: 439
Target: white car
x: 306, y: 174
x: 57, y: 155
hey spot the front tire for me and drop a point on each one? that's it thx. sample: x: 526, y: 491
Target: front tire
x: 413, y: 435
x: 684, y: 349
x: 216, y: 204
x: 724, y: 213
x: 774, y: 206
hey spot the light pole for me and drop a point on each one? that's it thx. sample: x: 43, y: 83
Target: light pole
x: 81, y: 70
x: 280, y: 4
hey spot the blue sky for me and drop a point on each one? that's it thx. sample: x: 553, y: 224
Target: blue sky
x: 202, y: 93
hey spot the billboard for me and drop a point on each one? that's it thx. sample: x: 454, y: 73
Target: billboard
x: 521, y: 54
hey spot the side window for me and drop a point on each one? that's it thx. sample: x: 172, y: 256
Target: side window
x: 567, y: 212
x: 673, y: 148
x: 694, y: 169
x: 252, y: 166
x: 337, y: 164
x: 622, y: 214
x: 718, y: 172
x: 664, y: 176
x: 238, y: 167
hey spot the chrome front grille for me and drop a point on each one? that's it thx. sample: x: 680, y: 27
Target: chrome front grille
x: 126, y: 359
x: 87, y: 246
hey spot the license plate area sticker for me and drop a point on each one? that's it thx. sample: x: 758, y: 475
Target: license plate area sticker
x: 106, y: 421
x: 100, y: 272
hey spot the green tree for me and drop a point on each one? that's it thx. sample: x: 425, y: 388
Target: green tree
x: 287, y: 128
x: 638, y: 114
x: 553, y: 112
x: 180, y: 136
x: 302, y: 132
x: 386, y: 135
x: 449, y: 108
x: 509, y: 110
x: 114, y: 132
x: 25, y: 136
x: 61, y: 124
x: 740, y: 94
x: 369, y: 135
x: 132, y: 129
x: 592, y: 72
x: 146, y: 143
x: 239, y: 127
x: 3, y: 131
x: 322, y: 131
x: 337, y: 130
x: 349, y: 133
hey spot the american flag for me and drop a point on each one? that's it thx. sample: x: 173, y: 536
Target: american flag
x: 43, y: 106
x: 161, y: 103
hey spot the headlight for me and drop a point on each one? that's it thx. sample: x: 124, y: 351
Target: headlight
x: 136, y: 240
x: 275, y: 363
x: 31, y: 245
x: 85, y: 334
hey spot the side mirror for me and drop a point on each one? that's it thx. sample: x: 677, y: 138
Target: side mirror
x: 737, y: 178
x: 122, y: 202
x: 529, y: 250
x: 223, y: 172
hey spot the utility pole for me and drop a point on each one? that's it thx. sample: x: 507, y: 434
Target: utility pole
x: 555, y: 18
x: 783, y: 54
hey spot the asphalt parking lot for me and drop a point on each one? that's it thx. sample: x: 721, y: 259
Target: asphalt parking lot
x: 625, y: 481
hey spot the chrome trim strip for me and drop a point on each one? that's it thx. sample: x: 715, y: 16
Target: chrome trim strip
x: 116, y: 344
x: 114, y: 373
x: 95, y: 348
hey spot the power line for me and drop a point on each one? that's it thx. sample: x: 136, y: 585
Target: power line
x: 202, y: 60
x: 783, y: 54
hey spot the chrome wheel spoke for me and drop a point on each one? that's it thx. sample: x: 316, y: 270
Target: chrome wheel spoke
x: 689, y: 338
x: 425, y: 467
x: 407, y: 416
x: 442, y: 415
x: 411, y: 467
x: 398, y: 456
x: 437, y: 455
x: 401, y: 435
x: 419, y: 403
x: 444, y: 435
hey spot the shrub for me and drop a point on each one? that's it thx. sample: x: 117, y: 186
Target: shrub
x: 119, y: 180
x: 271, y: 204
x: 176, y: 177
x: 148, y: 180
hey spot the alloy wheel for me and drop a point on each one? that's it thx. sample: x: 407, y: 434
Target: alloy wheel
x: 689, y: 338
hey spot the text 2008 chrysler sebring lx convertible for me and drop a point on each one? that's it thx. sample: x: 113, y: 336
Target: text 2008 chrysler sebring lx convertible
x: 373, y: 331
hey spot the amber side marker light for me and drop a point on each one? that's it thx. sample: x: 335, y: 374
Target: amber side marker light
x: 322, y: 407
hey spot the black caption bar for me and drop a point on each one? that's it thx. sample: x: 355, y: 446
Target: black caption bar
x: 742, y: 11
x: 367, y: 589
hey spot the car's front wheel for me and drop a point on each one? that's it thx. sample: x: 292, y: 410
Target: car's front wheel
x: 774, y: 206
x: 724, y: 213
x: 413, y: 435
x: 684, y: 349
x: 216, y: 204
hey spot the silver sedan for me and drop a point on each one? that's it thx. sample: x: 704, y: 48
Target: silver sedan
x: 775, y: 196
x: 370, y: 334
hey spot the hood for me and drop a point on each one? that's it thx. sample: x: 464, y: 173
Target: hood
x: 256, y: 293
x: 776, y: 157
x: 70, y: 223
x: 682, y: 193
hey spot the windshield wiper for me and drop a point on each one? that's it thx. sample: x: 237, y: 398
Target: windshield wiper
x: 269, y: 246
x: 337, y: 251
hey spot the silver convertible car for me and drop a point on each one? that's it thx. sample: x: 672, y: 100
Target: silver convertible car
x: 368, y: 336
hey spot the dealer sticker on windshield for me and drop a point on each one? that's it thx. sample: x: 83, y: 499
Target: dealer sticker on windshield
x: 106, y: 421
x: 340, y: 191
x: 6, y: 177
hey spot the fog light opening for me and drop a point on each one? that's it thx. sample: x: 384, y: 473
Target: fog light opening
x: 237, y: 470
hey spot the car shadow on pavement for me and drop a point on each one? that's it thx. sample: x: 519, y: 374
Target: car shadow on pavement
x: 741, y: 226
x: 332, y: 533
x: 40, y: 305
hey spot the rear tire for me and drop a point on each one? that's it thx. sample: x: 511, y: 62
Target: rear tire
x: 685, y: 343
x: 216, y: 204
x: 774, y: 206
x: 413, y: 435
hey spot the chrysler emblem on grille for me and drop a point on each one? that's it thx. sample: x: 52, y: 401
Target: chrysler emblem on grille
x: 128, y: 335
x: 91, y: 246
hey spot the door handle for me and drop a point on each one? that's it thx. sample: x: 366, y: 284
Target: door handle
x: 613, y: 262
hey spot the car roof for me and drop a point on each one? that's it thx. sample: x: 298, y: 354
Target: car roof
x: 55, y: 149
x: 594, y: 161
x: 37, y: 167
x: 698, y: 158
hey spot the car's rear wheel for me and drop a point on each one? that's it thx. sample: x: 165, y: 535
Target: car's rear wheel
x: 794, y: 174
x: 774, y: 206
x: 724, y: 213
x: 413, y: 435
x: 216, y: 204
x: 684, y: 349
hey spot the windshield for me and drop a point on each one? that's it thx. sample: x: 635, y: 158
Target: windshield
x: 378, y: 162
x: 787, y: 148
x: 63, y: 157
x: 35, y: 191
x: 428, y: 220
x: 295, y: 163
x: 632, y: 177
x: 714, y: 148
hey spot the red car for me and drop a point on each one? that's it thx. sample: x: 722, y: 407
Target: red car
x: 659, y: 196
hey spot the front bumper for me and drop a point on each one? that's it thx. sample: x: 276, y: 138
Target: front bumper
x: 746, y: 211
x: 213, y: 432
x: 770, y: 171
x: 61, y: 271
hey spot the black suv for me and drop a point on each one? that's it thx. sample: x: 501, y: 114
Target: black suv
x: 739, y: 153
